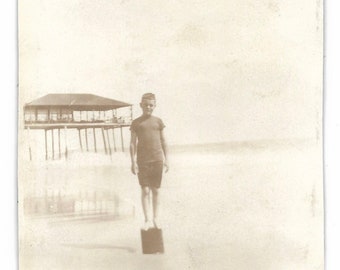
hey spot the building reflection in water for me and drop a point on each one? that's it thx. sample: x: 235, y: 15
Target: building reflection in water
x: 84, y: 205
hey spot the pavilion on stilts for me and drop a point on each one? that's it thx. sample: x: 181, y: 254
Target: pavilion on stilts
x: 77, y: 111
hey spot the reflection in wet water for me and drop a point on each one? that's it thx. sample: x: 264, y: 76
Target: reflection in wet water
x: 79, y: 190
x: 108, y: 205
x: 101, y: 246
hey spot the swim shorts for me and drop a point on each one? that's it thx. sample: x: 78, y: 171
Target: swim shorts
x: 150, y: 174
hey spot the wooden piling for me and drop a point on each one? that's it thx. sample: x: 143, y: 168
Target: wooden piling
x: 114, y: 139
x: 66, y: 151
x: 29, y: 143
x: 131, y: 112
x: 80, y: 142
x: 108, y: 141
x: 46, y: 151
x: 52, y: 133
x: 59, y: 143
x: 104, y: 140
x: 87, y: 144
x: 94, y: 140
x: 122, y: 139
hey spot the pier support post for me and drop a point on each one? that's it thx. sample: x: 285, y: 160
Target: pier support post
x: 87, y: 144
x: 52, y: 133
x: 131, y: 113
x: 29, y: 143
x: 59, y: 143
x: 108, y: 141
x: 114, y: 139
x: 104, y: 140
x: 80, y: 142
x: 66, y: 151
x: 94, y: 140
x: 122, y: 139
x: 46, y: 151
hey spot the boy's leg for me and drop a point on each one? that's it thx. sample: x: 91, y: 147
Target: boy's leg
x: 146, y: 204
x: 155, y: 205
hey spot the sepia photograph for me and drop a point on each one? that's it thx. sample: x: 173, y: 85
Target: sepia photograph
x: 170, y: 135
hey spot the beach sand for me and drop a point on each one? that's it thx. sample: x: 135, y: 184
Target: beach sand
x: 233, y: 206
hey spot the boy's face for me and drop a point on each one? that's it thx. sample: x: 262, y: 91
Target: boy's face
x: 148, y: 105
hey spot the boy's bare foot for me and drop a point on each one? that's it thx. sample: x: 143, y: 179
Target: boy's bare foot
x: 156, y: 223
x: 147, y: 225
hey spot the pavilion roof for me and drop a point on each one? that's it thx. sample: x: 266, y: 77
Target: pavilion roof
x: 76, y: 102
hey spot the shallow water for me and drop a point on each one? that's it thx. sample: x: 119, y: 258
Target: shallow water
x: 241, y: 207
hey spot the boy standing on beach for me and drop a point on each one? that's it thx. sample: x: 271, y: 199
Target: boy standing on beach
x: 149, y: 145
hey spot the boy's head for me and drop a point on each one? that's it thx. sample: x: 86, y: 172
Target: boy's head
x: 148, y: 103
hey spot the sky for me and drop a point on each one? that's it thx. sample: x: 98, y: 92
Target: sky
x: 221, y: 70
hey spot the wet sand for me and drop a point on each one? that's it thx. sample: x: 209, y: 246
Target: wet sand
x: 243, y: 207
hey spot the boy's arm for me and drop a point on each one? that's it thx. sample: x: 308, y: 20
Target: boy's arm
x: 133, y: 147
x: 165, y: 151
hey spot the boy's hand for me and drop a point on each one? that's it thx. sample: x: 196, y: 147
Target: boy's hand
x: 134, y: 168
x: 166, y: 166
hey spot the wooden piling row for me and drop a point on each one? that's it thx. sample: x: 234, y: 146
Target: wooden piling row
x: 105, y: 135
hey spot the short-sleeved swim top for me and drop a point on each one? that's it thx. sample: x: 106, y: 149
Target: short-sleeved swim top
x: 149, y: 146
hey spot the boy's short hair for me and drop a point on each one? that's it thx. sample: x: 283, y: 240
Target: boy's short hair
x: 149, y: 96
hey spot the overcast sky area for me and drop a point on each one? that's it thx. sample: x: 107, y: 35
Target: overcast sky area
x: 227, y: 70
